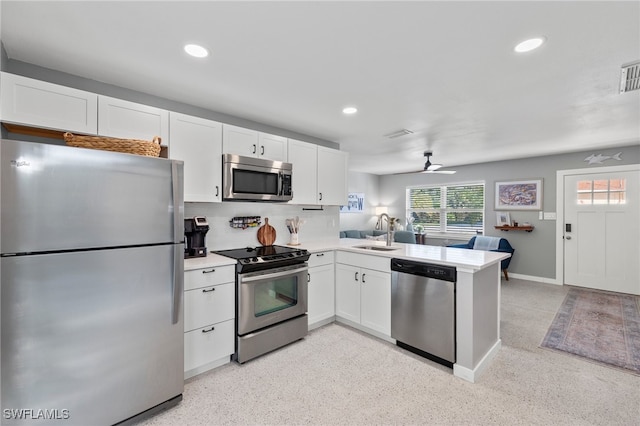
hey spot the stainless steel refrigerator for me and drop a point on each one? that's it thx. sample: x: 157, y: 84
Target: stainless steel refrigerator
x: 91, y: 269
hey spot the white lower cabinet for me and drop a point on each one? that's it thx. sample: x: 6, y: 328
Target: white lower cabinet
x: 321, y: 289
x: 363, y: 295
x: 209, y: 315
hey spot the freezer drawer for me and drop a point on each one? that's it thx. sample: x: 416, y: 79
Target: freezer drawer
x: 91, y: 333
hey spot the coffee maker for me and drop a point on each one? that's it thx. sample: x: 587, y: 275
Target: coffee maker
x: 195, y: 229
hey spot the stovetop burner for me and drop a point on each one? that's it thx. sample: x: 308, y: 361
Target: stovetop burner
x: 265, y: 257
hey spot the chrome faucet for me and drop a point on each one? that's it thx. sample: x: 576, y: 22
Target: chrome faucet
x: 388, y: 227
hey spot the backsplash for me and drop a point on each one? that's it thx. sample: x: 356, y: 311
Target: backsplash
x: 319, y: 225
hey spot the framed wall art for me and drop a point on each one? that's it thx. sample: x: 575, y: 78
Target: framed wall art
x: 355, y: 203
x: 519, y: 195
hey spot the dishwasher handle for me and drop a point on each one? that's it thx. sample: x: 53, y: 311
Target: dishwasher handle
x: 429, y: 270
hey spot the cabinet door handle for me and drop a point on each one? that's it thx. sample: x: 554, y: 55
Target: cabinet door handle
x: 209, y: 330
x: 254, y: 148
x: 363, y: 278
x: 321, y: 196
x: 262, y: 150
x: 217, y: 190
x: 209, y: 291
x: 208, y: 272
x: 308, y: 278
x: 356, y: 276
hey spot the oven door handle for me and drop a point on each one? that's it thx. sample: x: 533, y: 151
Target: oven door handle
x: 268, y: 276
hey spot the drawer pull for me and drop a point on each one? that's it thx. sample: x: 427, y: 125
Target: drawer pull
x: 209, y: 330
x: 208, y: 272
x: 208, y: 291
x: 320, y: 254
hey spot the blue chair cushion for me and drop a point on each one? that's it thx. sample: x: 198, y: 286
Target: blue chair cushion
x: 503, y: 247
x: 352, y: 234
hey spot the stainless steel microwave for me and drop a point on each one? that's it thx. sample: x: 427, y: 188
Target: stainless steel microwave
x: 255, y: 179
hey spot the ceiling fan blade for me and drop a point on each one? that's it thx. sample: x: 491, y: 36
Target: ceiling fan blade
x: 444, y: 172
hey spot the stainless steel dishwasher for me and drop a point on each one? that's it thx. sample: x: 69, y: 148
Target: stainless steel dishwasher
x: 423, y: 309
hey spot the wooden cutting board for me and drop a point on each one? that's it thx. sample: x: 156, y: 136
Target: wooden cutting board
x: 266, y: 233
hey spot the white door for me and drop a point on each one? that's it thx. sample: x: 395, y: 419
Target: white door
x: 123, y: 119
x: 321, y: 303
x: 348, y: 292
x: 240, y: 141
x: 375, y: 299
x: 332, y: 176
x: 602, y: 232
x: 304, y: 158
x: 272, y: 147
x: 198, y: 142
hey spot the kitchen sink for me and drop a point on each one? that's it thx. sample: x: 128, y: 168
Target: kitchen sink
x: 377, y: 248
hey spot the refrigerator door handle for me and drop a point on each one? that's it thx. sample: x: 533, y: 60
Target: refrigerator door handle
x: 175, y: 193
x: 178, y: 284
x: 178, y: 255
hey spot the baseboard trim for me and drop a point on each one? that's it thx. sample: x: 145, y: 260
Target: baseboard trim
x: 472, y: 375
x: 321, y: 323
x: 534, y: 278
x: 365, y: 329
x: 209, y: 366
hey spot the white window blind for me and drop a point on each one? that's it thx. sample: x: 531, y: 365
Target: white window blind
x: 448, y: 208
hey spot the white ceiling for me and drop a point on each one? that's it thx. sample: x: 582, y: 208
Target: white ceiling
x: 445, y: 70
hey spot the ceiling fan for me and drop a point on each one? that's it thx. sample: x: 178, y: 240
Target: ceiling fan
x: 429, y: 167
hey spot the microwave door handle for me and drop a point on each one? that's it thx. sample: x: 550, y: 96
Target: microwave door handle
x: 281, y: 183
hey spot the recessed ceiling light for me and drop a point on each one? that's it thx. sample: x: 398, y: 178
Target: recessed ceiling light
x: 350, y: 110
x: 528, y: 45
x: 196, y: 50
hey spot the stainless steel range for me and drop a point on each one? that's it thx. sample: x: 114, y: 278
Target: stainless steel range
x: 271, y: 298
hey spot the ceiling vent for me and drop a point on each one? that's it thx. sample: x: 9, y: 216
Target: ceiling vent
x: 399, y: 133
x: 630, y: 77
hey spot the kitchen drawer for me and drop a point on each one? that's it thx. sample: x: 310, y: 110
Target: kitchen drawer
x: 208, y: 305
x: 209, y: 276
x: 319, y: 259
x: 208, y: 344
x: 377, y: 263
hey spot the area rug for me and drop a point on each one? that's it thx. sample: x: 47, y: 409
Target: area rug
x: 600, y: 326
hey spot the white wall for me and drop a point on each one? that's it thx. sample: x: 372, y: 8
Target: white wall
x: 319, y: 226
x: 369, y: 185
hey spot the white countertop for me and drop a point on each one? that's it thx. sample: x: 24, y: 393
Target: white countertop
x: 210, y: 261
x: 462, y: 258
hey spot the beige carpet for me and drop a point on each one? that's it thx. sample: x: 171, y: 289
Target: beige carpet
x: 599, y: 326
x: 337, y: 375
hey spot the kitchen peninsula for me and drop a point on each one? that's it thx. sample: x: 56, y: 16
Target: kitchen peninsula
x: 477, y: 297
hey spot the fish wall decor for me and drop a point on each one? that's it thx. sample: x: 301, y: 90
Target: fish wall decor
x: 599, y: 159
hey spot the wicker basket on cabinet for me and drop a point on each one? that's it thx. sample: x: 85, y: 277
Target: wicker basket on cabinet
x: 129, y: 146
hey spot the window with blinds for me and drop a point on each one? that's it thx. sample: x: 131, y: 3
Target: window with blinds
x: 448, y: 209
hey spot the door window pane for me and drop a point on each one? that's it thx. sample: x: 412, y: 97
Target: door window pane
x: 272, y: 296
x: 584, y: 198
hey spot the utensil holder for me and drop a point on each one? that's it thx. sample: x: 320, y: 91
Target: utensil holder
x: 293, y: 240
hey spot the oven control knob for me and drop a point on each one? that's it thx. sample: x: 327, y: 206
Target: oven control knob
x: 255, y: 259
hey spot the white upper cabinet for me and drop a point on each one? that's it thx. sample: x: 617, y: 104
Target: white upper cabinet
x: 332, y: 176
x: 37, y: 103
x: 319, y: 174
x: 198, y: 142
x: 240, y: 141
x: 272, y: 147
x: 130, y: 120
x: 250, y: 143
x: 304, y: 158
